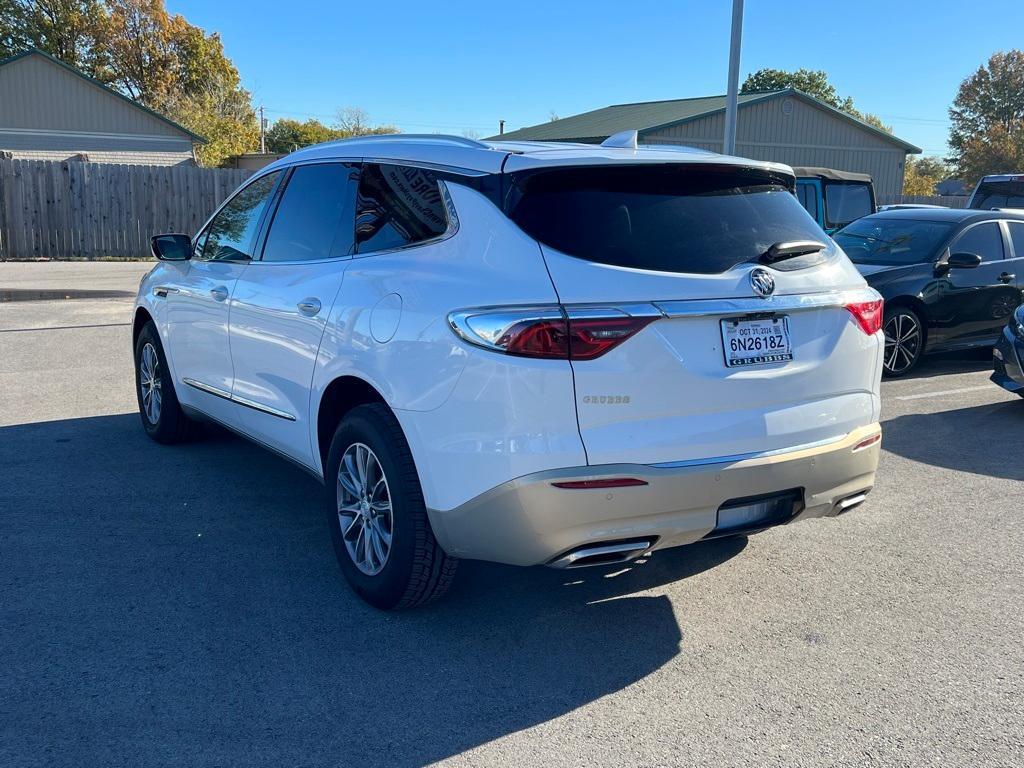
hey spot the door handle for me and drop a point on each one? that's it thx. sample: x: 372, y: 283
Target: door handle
x: 1006, y: 277
x: 162, y: 290
x: 219, y: 293
x: 310, y: 306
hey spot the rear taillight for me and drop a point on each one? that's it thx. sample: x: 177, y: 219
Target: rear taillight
x: 868, y: 315
x: 591, y: 337
x: 548, y: 332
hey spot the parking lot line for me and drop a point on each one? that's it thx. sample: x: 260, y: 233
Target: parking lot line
x: 942, y: 392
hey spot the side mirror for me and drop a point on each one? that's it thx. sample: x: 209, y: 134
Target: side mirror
x: 964, y: 261
x: 172, y: 247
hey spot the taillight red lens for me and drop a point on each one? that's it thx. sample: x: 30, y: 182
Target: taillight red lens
x: 536, y: 338
x: 592, y: 337
x: 547, y: 332
x: 868, y: 315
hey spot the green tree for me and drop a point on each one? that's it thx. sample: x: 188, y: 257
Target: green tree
x: 987, y: 132
x: 65, y: 29
x: 922, y: 174
x: 813, y: 82
x: 288, y: 135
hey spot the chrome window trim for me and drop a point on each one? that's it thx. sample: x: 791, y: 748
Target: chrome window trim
x: 440, y: 167
x: 225, y: 395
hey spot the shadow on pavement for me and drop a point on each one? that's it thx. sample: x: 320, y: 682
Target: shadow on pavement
x: 983, y: 439
x: 182, y: 605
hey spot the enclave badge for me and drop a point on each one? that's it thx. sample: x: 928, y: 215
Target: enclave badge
x: 762, y: 282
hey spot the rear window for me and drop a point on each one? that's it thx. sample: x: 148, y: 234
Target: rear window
x: 845, y: 203
x: 668, y: 218
x: 999, y: 194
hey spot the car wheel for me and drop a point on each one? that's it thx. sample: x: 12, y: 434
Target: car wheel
x: 904, y: 341
x: 382, y: 537
x: 162, y: 417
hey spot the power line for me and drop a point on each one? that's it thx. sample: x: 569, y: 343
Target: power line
x: 455, y: 126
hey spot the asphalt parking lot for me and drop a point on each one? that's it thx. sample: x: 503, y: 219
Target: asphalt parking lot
x: 182, y: 606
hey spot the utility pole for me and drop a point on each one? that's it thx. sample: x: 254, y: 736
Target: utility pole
x: 732, y: 94
x: 263, y: 133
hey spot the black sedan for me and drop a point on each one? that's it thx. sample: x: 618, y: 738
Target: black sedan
x: 950, y: 278
x: 1008, y: 355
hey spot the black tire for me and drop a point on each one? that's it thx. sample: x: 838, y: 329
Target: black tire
x: 901, y: 355
x: 171, y: 425
x: 415, y: 570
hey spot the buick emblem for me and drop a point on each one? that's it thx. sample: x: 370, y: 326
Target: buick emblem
x: 762, y: 283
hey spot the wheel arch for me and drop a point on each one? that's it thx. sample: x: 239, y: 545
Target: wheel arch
x: 142, y: 317
x: 340, y: 396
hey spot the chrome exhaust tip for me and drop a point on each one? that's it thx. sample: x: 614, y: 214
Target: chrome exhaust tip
x: 845, y: 505
x: 602, y: 554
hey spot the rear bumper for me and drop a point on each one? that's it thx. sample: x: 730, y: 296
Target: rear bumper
x: 529, y: 521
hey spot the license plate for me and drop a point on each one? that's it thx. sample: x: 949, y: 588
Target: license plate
x: 756, y: 341
x: 756, y: 513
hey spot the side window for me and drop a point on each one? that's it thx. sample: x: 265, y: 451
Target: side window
x: 231, y: 233
x: 808, y: 198
x: 1017, y: 238
x: 314, y: 219
x: 984, y: 239
x: 397, y: 206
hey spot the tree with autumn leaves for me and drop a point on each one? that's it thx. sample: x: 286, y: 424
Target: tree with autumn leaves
x: 987, y: 133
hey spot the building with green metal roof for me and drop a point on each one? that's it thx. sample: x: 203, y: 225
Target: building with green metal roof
x: 786, y: 126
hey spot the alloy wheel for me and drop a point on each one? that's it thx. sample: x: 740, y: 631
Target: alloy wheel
x: 150, y: 383
x: 364, y: 509
x: 902, y: 342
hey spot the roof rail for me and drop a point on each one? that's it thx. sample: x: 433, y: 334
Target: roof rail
x: 440, y: 138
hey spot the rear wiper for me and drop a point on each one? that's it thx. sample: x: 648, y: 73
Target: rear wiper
x: 790, y: 248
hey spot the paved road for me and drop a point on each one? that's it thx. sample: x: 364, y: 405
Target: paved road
x: 182, y: 606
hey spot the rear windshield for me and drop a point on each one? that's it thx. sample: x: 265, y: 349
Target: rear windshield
x: 893, y: 241
x: 999, y: 194
x: 670, y: 218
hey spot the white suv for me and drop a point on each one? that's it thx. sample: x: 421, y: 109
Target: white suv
x: 528, y: 353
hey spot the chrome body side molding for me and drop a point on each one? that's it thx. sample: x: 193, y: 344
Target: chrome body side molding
x: 238, y: 399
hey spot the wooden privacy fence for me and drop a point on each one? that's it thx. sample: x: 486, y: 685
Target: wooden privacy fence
x: 72, y: 209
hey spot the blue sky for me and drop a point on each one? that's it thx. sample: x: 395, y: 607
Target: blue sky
x: 460, y: 66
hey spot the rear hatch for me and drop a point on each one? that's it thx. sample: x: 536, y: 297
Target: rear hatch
x: 721, y: 351
x: 999, y: 192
